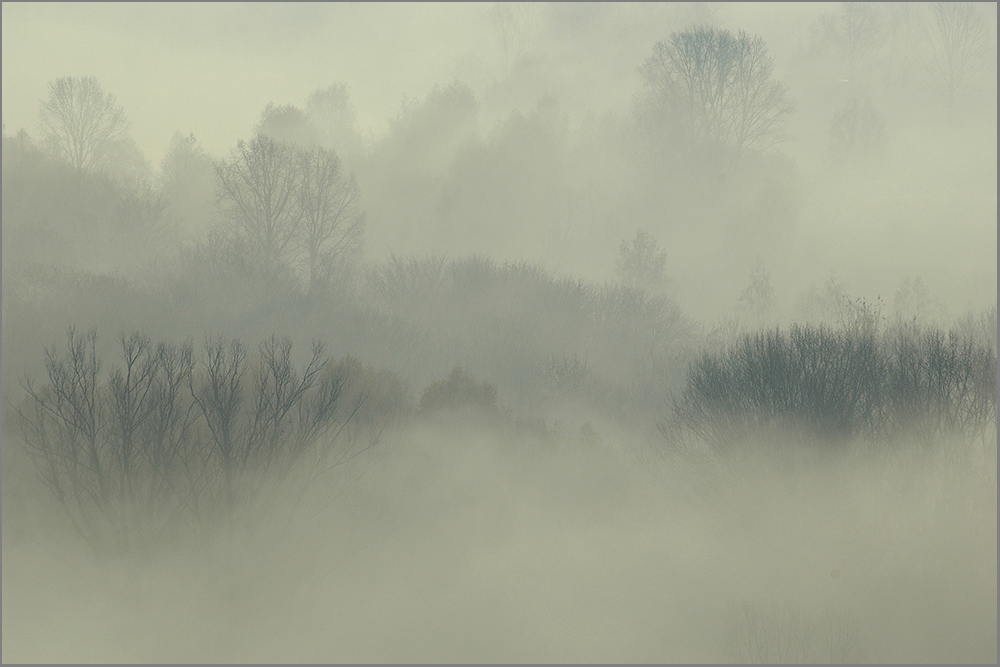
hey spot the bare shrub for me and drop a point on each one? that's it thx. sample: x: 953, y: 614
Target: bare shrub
x: 839, y: 384
x: 111, y: 450
x: 641, y: 263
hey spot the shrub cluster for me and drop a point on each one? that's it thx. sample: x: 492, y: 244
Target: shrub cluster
x: 838, y: 384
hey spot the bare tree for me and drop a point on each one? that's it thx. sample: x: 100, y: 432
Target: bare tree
x: 332, y: 222
x: 959, y: 46
x: 641, y: 263
x: 81, y: 121
x: 288, y: 124
x: 333, y: 115
x: 187, y: 182
x: 257, y: 192
x: 714, y: 91
x: 900, y: 51
x: 757, y: 299
x: 509, y: 21
x: 856, y: 33
x: 857, y: 132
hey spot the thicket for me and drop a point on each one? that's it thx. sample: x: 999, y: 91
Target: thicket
x: 835, y: 385
x: 171, y: 438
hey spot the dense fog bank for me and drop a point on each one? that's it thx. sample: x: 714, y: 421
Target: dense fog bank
x: 582, y: 332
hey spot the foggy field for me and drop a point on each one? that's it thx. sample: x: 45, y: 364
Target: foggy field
x: 469, y: 551
x: 499, y: 332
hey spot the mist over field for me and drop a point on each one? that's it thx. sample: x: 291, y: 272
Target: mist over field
x: 499, y: 332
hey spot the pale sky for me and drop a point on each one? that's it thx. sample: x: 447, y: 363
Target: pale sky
x: 211, y: 68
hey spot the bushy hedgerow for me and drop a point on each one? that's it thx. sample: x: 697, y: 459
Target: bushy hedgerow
x: 839, y: 384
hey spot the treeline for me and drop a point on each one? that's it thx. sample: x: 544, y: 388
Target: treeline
x: 542, y: 339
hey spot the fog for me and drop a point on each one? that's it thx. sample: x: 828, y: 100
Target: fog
x: 641, y: 332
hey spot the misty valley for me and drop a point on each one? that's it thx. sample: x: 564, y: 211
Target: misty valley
x: 640, y: 332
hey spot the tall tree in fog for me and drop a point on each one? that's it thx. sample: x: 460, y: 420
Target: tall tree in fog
x: 81, y: 121
x: 289, y: 124
x: 641, y: 263
x: 858, y: 132
x: 715, y: 92
x: 291, y: 207
x: 959, y: 45
x: 331, y: 220
x: 856, y: 33
x: 187, y: 181
x: 333, y: 115
x: 509, y: 22
x: 257, y: 189
x: 900, y: 51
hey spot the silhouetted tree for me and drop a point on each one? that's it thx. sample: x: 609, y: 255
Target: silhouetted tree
x: 333, y: 115
x: 509, y: 21
x: 187, y: 182
x: 288, y: 124
x: 856, y: 34
x: 757, y: 299
x: 167, y: 434
x: 331, y: 219
x: 258, y: 195
x: 291, y: 207
x: 82, y: 122
x: 641, y: 262
x: 959, y: 42
x: 714, y: 91
x: 857, y: 131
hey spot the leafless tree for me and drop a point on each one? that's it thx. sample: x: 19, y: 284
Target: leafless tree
x: 959, y: 42
x: 509, y: 21
x: 641, y: 263
x: 257, y: 193
x: 855, y: 32
x: 81, y: 121
x: 714, y: 91
x: 332, y: 222
x: 757, y: 299
x: 332, y: 113
x: 288, y: 124
x: 900, y: 52
x: 857, y: 132
x: 292, y: 206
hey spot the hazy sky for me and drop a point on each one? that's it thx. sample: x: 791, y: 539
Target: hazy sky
x: 211, y: 68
